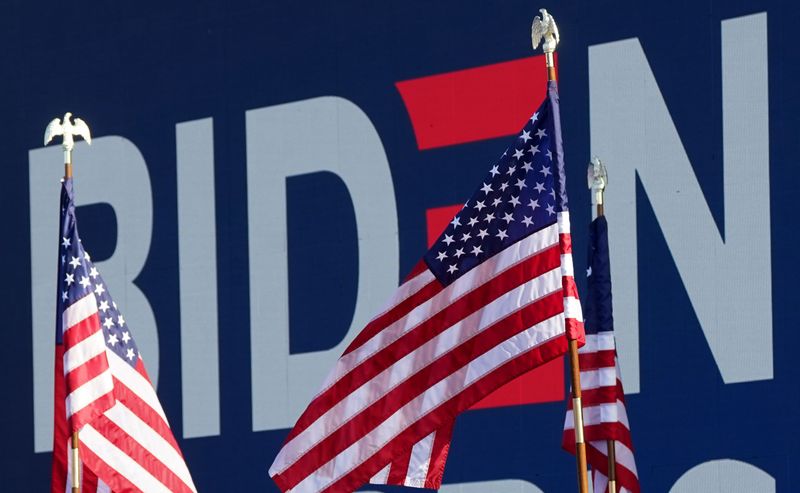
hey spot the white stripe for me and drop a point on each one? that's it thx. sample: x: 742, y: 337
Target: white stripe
x: 415, y: 361
x: 566, y: 265
x: 603, y: 341
x: 602, y: 377
x: 420, y: 462
x: 148, y: 438
x: 120, y: 461
x: 572, y: 308
x: 83, y: 351
x: 136, y: 382
x: 423, y: 404
x: 382, y: 476
x: 79, y: 311
x: 599, y: 414
x: 486, y: 271
x: 623, y: 457
x: 89, y: 392
x: 102, y: 487
x: 563, y: 222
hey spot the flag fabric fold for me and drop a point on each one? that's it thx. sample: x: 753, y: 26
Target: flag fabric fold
x: 604, y: 412
x: 102, y: 390
x: 493, y: 298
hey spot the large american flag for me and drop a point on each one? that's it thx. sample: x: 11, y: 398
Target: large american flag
x: 604, y: 414
x: 493, y: 298
x: 101, y: 387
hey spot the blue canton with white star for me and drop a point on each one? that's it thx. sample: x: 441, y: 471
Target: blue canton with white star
x: 517, y: 198
x: 78, y: 277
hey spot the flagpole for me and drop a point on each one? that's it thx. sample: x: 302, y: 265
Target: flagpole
x: 68, y: 131
x: 598, y: 178
x: 545, y: 30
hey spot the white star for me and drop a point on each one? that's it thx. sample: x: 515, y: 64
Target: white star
x: 93, y: 273
x: 120, y: 320
x: 514, y: 201
x: 502, y: 234
x: 64, y: 296
x: 489, y: 218
x: 465, y: 237
x: 103, y: 306
x: 533, y: 204
x: 553, y: 192
x: 112, y: 339
x: 480, y: 205
x: 533, y: 150
x: 504, y: 186
x: 85, y: 282
x: 477, y: 250
x: 86, y: 256
x: 535, y: 117
x: 69, y: 279
x: 99, y: 289
x: 518, y: 153
x: 526, y: 136
x: 521, y: 184
x: 527, y: 166
x: 486, y: 188
x: 74, y: 262
x: 549, y: 154
x: 551, y: 209
x: 545, y: 171
x: 63, y: 259
x: 511, y: 170
x: 482, y: 234
x: 448, y: 239
x: 459, y: 252
x: 441, y: 256
x: 66, y: 242
x: 114, y: 304
x: 496, y: 202
x: 539, y: 187
x: 508, y: 218
x: 589, y: 271
x: 528, y: 221
x: 473, y: 221
x: 126, y: 337
x: 452, y: 269
x: 108, y: 323
x: 494, y: 171
x: 456, y: 222
x: 541, y: 133
x: 129, y: 354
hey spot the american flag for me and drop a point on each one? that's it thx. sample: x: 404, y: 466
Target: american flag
x: 101, y: 387
x: 604, y: 415
x: 493, y: 298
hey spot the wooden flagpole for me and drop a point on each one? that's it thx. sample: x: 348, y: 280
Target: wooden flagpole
x: 598, y: 178
x: 68, y: 130
x: 545, y: 29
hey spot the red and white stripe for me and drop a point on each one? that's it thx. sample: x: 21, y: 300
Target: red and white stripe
x: 604, y: 415
x: 125, y: 440
x: 385, y: 413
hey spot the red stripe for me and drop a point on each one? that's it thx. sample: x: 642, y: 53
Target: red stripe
x: 88, y: 480
x: 146, y: 413
x: 575, y: 331
x: 417, y: 270
x: 141, y: 455
x: 384, y: 407
x: 441, y: 447
x: 396, y: 313
x: 565, y: 240
x: 601, y: 395
x: 446, y: 413
x: 110, y: 476
x: 87, y: 327
x: 58, y: 473
x: 87, y: 371
x: 93, y: 410
x: 399, y: 469
x: 625, y: 478
x: 570, y: 289
x: 597, y: 359
x: 469, y: 303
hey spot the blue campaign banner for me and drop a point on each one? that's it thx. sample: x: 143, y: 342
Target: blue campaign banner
x: 263, y: 175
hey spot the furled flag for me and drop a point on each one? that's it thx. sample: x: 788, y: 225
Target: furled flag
x: 101, y: 387
x: 604, y: 416
x: 493, y: 298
